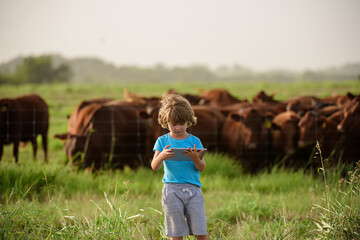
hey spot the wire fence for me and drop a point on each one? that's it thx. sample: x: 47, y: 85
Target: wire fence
x: 137, y: 133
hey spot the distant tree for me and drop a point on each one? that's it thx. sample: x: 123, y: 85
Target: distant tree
x: 38, y: 70
x: 62, y: 73
x: 7, y: 78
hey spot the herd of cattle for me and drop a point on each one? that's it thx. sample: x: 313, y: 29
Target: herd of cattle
x: 259, y: 133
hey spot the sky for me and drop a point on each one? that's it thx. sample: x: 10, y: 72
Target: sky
x: 258, y: 34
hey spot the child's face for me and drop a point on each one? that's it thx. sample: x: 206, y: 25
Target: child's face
x: 178, y: 130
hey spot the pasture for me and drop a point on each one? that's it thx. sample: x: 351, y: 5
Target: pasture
x: 49, y: 201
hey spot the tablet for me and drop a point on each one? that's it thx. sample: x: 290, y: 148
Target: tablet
x: 179, y: 156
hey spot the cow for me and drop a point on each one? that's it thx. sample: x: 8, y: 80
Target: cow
x: 316, y: 127
x: 262, y: 97
x: 345, y: 100
x: 285, y: 135
x: 247, y: 138
x: 266, y: 109
x: 193, y: 99
x: 22, y: 119
x: 301, y: 105
x: 114, y: 136
x: 219, y: 97
x: 349, y: 127
x: 79, y: 116
x: 209, y: 125
x: 140, y: 100
x: 75, y: 113
x: 78, y: 124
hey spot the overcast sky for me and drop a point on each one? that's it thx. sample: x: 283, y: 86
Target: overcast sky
x: 259, y: 34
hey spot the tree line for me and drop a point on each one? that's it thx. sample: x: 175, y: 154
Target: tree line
x: 56, y: 69
x: 38, y: 69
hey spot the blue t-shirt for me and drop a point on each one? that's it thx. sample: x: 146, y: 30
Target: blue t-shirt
x: 179, y: 171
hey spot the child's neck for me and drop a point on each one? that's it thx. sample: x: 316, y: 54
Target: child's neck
x: 179, y: 137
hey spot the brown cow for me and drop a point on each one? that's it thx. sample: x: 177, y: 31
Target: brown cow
x: 81, y: 114
x: 22, y: 119
x: 75, y: 113
x: 345, y: 100
x: 114, y: 136
x: 247, y: 137
x: 79, y: 121
x: 209, y: 125
x: 266, y: 109
x: 285, y: 134
x: 350, y: 128
x: 136, y: 99
x: 301, y: 105
x: 317, y: 127
x: 193, y: 99
x: 219, y: 97
x: 262, y: 97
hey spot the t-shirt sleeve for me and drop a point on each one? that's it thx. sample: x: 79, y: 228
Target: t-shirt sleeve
x: 198, y: 143
x: 158, y: 145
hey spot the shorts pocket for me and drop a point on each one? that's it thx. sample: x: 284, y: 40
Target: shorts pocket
x: 197, y: 197
x: 168, y: 195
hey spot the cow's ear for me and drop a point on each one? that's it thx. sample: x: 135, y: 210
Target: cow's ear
x: 274, y: 126
x: 236, y: 117
x: 62, y: 136
x: 350, y: 95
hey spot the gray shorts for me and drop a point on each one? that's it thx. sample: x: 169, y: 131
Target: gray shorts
x: 184, y: 209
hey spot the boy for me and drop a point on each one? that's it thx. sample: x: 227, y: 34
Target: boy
x: 182, y: 199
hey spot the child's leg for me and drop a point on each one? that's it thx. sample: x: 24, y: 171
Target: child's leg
x: 195, y: 213
x: 176, y: 238
x: 201, y: 237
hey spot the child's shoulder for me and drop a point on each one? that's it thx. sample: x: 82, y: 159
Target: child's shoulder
x: 193, y: 136
x: 163, y: 137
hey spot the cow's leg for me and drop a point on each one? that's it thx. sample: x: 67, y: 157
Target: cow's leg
x: 34, y: 144
x: 45, y: 144
x: 1, y: 150
x: 16, y: 150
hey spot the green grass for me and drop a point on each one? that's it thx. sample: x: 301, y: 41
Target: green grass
x: 49, y: 201
x: 40, y: 200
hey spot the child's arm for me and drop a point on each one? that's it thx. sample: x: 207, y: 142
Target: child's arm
x: 159, y: 157
x: 195, y: 156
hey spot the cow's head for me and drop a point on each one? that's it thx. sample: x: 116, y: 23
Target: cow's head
x: 285, y: 132
x: 350, y: 124
x: 251, y: 125
x: 75, y: 148
x: 312, y: 127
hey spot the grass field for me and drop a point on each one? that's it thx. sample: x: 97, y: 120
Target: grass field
x: 48, y: 201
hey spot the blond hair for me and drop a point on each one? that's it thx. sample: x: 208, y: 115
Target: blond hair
x: 176, y: 109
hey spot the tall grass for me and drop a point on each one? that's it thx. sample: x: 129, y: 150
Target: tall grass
x: 340, y: 214
x: 40, y: 201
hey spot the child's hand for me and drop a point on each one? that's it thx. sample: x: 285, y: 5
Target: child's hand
x: 193, y: 153
x: 167, y: 153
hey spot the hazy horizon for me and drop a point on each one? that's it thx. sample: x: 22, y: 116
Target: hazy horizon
x: 260, y: 35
